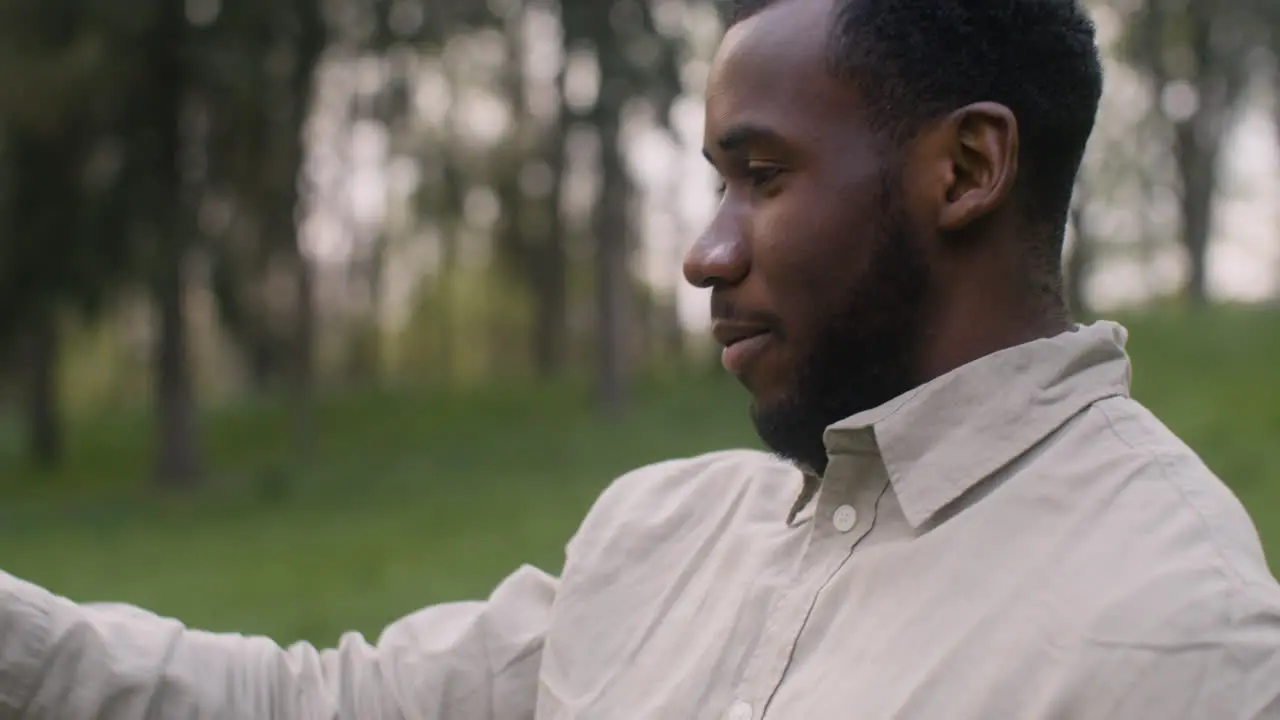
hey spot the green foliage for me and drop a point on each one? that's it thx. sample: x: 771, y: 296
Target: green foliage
x: 1211, y: 375
x: 414, y: 498
x: 65, y: 242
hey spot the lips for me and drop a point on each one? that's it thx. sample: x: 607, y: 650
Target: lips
x: 743, y: 343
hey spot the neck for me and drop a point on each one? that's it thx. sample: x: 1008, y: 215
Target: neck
x: 986, y: 313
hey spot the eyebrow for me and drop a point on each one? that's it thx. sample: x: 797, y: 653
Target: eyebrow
x: 740, y: 135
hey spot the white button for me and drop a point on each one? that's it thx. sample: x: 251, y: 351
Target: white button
x: 845, y: 518
x: 740, y: 710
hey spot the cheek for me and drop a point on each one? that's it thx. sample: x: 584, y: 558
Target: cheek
x: 811, y: 255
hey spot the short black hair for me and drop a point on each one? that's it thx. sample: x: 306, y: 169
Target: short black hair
x: 917, y: 60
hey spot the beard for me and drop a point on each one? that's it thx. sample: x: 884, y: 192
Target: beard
x: 865, y: 353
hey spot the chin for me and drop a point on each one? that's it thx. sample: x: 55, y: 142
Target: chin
x: 792, y: 423
x: 770, y: 382
x: 769, y: 398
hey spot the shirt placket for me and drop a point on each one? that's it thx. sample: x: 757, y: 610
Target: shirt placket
x: 844, y: 515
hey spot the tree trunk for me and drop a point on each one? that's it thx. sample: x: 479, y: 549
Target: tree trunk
x: 1196, y: 169
x: 303, y: 367
x: 451, y: 238
x: 591, y: 21
x: 309, y: 47
x: 43, y: 204
x: 446, y: 351
x: 514, y: 250
x: 260, y: 360
x: 40, y: 365
x: 551, y: 331
x: 1275, y: 108
x: 613, y: 276
x: 550, y: 269
x: 1079, y: 264
x: 672, y: 330
x: 1220, y: 82
x: 178, y: 464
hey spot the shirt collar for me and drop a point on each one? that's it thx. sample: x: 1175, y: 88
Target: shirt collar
x: 942, y: 438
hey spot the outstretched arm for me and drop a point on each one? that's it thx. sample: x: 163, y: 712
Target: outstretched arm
x: 463, y: 661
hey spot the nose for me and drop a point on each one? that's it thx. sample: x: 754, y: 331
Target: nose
x: 720, y: 256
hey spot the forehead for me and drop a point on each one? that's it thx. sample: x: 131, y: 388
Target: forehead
x: 771, y: 70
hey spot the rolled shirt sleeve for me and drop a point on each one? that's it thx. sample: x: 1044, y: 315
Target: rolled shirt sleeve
x: 467, y: 660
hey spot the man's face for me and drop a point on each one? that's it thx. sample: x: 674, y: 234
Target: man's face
x: 819, y: 275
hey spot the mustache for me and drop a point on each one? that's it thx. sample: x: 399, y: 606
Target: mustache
x: 723, y: 309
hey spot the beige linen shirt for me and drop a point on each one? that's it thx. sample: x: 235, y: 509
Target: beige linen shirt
x: 1016, y: 540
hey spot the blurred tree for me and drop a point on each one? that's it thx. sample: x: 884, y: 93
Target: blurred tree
x: 1197, y: 54
x: 548, y: 257
x: 65, y: 246
x: 636, y: 63
x: 161, y: 147
x: 261, y: 62
x: 251, y: 199
x: 169, y: 120
x: 529, y: 179
x: 1080, y: 254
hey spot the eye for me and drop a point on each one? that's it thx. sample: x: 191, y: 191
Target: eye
x: 762, y: 175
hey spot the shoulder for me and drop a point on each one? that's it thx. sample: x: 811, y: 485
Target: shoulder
x: 1168, y: 489
x: 1161, y: 586
x: 1147, y: 541
x: 1177, y: 555
x: 675, y: 498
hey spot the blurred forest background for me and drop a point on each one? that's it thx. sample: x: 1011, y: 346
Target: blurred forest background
x: 316, y: 311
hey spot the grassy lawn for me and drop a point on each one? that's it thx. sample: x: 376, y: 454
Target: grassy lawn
x: 414, y: 498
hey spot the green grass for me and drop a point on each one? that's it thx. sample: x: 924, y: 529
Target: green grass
x: 408, y: 499
x: 412, y: 498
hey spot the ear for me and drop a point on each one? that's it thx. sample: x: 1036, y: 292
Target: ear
x: 982, y: 140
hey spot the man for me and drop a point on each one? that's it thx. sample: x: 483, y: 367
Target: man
x: 983, y: 525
